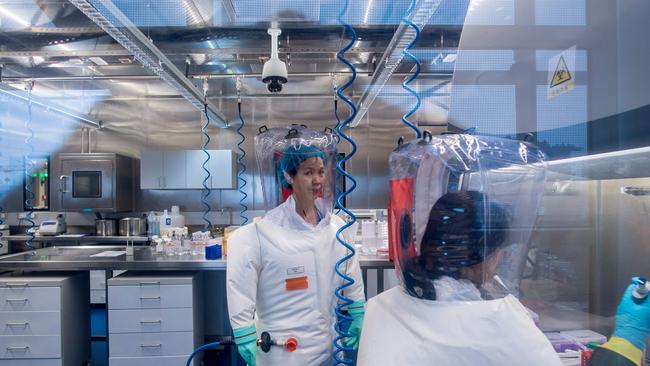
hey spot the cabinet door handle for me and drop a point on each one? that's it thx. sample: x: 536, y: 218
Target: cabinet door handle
x: 159, y: 182
x: 150, y: 321
x: 23, y: 348
x: 159, y: 345
x: 164, y: 181
x: 17, y: 300
x: 150, y: 298
x: 154, y: 283
x: 63, y: 184
x: 25, y: 324
x: 17, y: 285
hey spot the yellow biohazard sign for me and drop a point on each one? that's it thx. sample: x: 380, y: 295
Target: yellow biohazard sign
x: 561, y: 73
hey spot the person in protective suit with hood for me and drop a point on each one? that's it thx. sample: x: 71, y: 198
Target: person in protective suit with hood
x: 280, y: 275
x: 442, y: 315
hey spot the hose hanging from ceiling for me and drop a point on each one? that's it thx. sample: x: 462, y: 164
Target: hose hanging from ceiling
x: 344, y: 301
x: 406, y: 52
x: 240, y: 160
x: 338, y: 122
x: 205, y: 192
x: 29, y: 194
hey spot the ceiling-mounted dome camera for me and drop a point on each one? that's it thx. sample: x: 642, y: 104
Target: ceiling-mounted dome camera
x: 275, y: 71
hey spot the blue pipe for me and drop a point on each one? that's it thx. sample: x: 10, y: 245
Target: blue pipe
x: 348, y: 281
x: 201, y: 349
x: 405, y: 84
x: 29, y: 195
x: 206, y: 190
x: 242, y: 168
x: 338, y: 122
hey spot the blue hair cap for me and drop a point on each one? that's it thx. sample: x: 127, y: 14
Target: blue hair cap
x: 293, y: 156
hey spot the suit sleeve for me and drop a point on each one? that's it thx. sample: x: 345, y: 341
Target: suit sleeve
x: 242, y: 274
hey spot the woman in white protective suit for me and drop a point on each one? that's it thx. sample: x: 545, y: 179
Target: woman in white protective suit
x: 280, y: 275
x: 460, y: 248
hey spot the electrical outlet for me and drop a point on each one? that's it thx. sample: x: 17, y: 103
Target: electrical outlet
x: 3, y: 216
x: 23, y: 215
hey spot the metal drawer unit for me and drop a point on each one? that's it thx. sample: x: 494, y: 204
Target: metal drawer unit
x: 97, y: 287
x: 45, y: 320
x: 154, y: 318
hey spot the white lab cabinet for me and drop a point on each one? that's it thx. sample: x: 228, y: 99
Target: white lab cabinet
x: 154, y: 318
x: 45, y: 320
x: 183, y: 169
x: 195, y: 174
x: 162, y: 169
x: 174, y: 169
x: 151, y: 170
x: 223, y: 167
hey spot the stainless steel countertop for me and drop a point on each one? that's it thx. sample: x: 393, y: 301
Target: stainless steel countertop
x: 85, y: 238
x: 78, y: 258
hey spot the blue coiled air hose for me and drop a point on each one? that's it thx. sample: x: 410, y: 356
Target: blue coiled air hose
x: 406, y: 82
x: 242, y: 168
x: 207, y: 346
x: 206, y: 190
x: 348, y: 281
x: 338, y: 122
x: 29, y: 195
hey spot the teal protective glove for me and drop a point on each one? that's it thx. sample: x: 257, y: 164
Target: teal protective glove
x: 633, y: 319
x: 245, y: 338
x: 356, y: 310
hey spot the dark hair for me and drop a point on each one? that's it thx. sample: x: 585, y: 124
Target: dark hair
x: 463, y: 229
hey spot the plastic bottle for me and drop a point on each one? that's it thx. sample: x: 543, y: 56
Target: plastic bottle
x: 159, y: 249
x: 151, y: 224
x: 185, y: 242
x: 165, y: 223
x: 178, y: 220
x: 170, y: 244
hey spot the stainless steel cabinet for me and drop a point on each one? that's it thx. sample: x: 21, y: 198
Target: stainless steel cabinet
x: 162, y: 169
x: 174, y: 169
x: 154, y: 318
x: 45, y: 320
x: 223, y: 167
x: 195, y: 172
x: 97, y: 182
x: 151, y: 170
x: 183, y: 169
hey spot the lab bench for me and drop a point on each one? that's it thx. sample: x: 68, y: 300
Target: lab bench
x: 111, y: 259
x: 77, y: 239
x: 84, y: 258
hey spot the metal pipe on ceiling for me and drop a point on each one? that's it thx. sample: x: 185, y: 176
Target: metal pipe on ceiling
x: 20, y: 94
x: 106, y: 15
x: 446, y: 75
x: 392, y: 56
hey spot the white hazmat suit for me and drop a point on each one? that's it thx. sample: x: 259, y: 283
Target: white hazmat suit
x: 281, y: 278
x: 458, y: 329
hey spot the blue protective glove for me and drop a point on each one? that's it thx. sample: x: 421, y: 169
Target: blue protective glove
x: 632, y: 319
x: 245, y: 338
x: 356, y: 310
